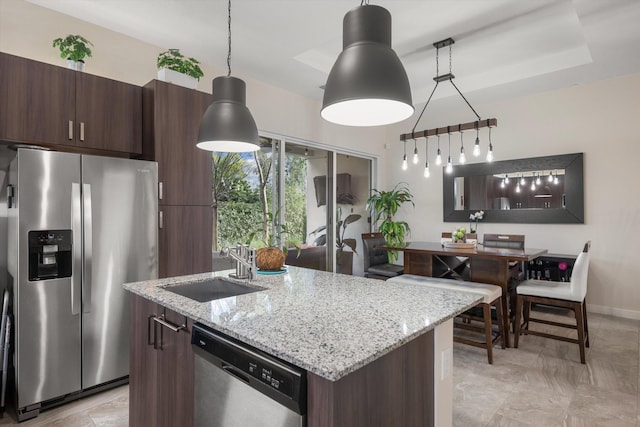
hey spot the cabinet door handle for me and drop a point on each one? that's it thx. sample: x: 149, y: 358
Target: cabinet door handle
x: 162, y: 321
x: 160, y: 190
x: 82, y: 131
x: 70, y: 130
x: 160, y: 220
x: 149, y: 324
x: 175, y: 328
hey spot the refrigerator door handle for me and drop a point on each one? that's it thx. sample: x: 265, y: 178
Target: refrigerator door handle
x: 76, y: 230
x: 88, y: 248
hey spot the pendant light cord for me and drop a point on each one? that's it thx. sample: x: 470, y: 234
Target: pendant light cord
x: 229, y: 39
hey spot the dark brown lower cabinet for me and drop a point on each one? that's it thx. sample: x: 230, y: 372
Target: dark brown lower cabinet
x: 185, y: 240
x: 161, y: 380
x: 394, y: 390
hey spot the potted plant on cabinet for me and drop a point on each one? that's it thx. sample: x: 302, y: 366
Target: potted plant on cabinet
x: 383, y: 205
x: 344, y: 259
x: 75, y: 49
x: 176, y: 68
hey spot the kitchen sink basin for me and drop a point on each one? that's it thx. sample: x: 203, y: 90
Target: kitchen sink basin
x: 209, y: 290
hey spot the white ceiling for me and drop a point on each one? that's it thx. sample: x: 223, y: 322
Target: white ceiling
x: 503, y: 48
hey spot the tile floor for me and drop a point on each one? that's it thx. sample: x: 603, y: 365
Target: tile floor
x: 542, y: 383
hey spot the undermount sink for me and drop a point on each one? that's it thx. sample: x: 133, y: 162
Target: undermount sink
x: 209, y: 290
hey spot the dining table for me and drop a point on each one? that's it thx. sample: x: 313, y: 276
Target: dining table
x: 486, y: 265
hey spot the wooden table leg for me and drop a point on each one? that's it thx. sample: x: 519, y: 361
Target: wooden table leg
x: 494, y: 272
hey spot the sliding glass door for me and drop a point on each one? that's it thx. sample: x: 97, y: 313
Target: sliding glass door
x: 317, y: 192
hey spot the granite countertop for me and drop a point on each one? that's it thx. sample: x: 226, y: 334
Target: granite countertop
x: 327, y: 323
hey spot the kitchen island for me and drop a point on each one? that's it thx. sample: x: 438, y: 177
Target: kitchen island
x: 375, y: 353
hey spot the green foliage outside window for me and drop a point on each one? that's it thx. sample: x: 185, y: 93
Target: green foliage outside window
x: 238, y: 205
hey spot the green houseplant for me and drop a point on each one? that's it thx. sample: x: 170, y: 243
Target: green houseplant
x: 73, y: 48
x: 173, y: 65
x: 383, y: 205
x: 344, y: 258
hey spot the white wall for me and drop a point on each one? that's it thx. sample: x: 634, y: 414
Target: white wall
x: 599, y: 119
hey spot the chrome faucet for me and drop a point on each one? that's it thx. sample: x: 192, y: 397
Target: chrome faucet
x: 245, y: 258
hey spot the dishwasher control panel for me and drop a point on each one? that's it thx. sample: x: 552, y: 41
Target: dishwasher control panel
x: 251, y: 365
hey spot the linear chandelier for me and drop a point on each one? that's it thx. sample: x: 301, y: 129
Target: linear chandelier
x: 448, y: 130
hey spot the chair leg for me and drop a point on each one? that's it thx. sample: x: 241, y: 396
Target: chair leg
x: 499, y: 314
x: 486, y: 308
x: 526, y: 313
x: 578, y: 310
x: 519, y: 309
x: 586, y: 325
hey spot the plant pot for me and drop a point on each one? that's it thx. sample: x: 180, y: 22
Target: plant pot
x: 75, y: 65
x: 344, y: 262
x: 270, y: 259
x: 170, y: 76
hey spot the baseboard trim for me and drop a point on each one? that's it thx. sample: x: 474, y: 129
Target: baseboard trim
x: 612, y: 311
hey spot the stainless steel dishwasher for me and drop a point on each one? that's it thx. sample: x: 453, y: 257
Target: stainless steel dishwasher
x: 237, y: 385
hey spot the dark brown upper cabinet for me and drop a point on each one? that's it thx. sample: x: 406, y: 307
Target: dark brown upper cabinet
x: 171, y: 119
x: 50, y: 105
x: 108, y: 114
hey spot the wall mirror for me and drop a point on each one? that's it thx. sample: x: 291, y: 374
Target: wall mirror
x: 542, y: 190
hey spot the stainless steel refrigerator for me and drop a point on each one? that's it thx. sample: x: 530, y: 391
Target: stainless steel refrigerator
x: 79, y: 227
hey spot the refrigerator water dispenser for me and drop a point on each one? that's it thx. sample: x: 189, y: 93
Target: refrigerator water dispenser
x: 50, y: 254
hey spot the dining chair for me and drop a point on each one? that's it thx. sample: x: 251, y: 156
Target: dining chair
x: 491, y: 297
x: 570, y: 295
x: 376, y: 260
x: 516, y: 268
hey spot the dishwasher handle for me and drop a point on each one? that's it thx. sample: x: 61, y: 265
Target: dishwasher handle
x: 232, y: 370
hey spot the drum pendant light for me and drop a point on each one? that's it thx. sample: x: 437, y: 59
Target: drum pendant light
x: 367, y: 85
x: 227, y: 125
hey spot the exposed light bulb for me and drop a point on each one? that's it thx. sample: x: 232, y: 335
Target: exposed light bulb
x: 550, y: 179
x: 533, y: 185
x: 415, y: 156
x: 490, y: 153
x: 404, y: 157
x: 502, y: 183
x: 463, y: 158
x: 427, y: 174
x: 506, y: 179
x: 518, y: 188
x: 556, y: 180
x: 522, y: 180
x: 476, y: 146
x: 538, y: 180
x: 438, y: 158
x: 449, y: 167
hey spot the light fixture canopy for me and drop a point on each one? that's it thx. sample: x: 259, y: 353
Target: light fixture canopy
x: 368, y: 85
x: 227, y: 125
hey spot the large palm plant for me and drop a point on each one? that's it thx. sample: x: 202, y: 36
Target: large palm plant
x: 383, y: 205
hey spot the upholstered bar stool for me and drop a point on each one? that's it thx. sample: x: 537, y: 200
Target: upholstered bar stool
x: 491, y: 296
x: 571, y: 295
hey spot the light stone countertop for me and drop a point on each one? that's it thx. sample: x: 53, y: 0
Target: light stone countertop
x: 327, y: 323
